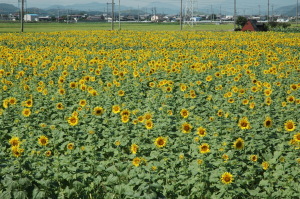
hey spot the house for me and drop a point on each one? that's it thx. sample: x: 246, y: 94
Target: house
x: 253, y: 25
x: 31, y: 17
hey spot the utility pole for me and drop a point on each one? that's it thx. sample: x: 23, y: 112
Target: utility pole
x: 297, y: 12
x: 268, y: 10
x: 119, y: 17
x: 22, y: 16
x: 234, y: 17
x: 180, y: 14
x: 272, y: 18
x: 112, y: 14
x: 259, y: 10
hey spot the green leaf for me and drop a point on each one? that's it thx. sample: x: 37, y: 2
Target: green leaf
x: 19, y: 194
x: 264, y: 183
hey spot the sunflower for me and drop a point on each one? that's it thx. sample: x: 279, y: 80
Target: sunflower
x: 227, y: 178
x: 268, y: 122
x: 73, y: 84
x: 225, y: 157
x: 70, y: 146
x: 82, y: 102
x: 60, y: 106
x: 204, y: 148
x: 125, y: 118
x: 98, y: 111
x: 265, y: 165
x: 289, y: 125
x: 209, y: 78
x: 201, y: 131
x: 73, y: 120
x: 297, y: 137
x: 48, y: 153
x: 43, y: 140
x: 134, y: 148
x: 184, y: 113
x: 239, y: 144
x: 12, y: 100
x: 16, y: 151
x: 117, y: 143
x: 14, y: 141
x: 186, y: 128
x: 136, y: 161
x: 268, y: 92
x: 148, y: 116
x: 290, y: 99
x: 62, y: 91
x: 183, y: 87
x: 149, y: 124
x: 253, y: 158
x: 116, y: 109
x: 160, y: 141
x: 26, y: 112
x: 244, y: 123
x: 121, y: 93
x: 125, y: 112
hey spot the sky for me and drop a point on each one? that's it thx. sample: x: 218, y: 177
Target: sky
x: 242, y: 5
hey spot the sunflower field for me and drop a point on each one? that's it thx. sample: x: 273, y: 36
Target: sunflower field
x: 140, y: 114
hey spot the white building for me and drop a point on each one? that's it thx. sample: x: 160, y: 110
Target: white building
x: 31, y: 17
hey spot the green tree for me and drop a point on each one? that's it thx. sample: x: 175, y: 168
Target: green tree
x: 241, y: 21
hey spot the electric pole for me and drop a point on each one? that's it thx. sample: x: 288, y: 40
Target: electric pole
x: 180, y: 14
x: 119, y: 17
x: 297, y: 12
x: 268, y: 10
x: 22, y: 16
x: 234, y: 17
x: 112, y: 14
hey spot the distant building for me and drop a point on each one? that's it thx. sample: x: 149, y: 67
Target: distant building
x: 31, y: 17
x: 253, y: 25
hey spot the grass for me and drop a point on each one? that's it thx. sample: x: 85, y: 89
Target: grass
x: 53, y: 27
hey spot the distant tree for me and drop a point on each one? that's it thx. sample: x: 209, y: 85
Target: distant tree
x: 241, y: 21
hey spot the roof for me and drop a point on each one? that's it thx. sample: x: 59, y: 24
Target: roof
x: 253, y: 25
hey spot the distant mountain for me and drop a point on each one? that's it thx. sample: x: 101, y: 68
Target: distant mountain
x: 162, y: 8
x: 286, y: 10
x: 8, y: 8
x: 99, y: 8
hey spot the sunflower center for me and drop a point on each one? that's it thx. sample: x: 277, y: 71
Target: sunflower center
x: 160, y: 142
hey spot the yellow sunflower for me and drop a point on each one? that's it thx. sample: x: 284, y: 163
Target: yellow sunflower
x: 98, y: 111
x: 184, y: 113
x: 26, y: 112
x: 268, y: 122
x: 239, y: 144
x: 265, y: 165
x: 136, y: 161
x: 134, y: 148
x: 244, y: 123
x: 116, y: 109
x: 253, y: 158
x: 70, y: 146
x: 297, y: 137
x: 149, y: 124
x: 160, y: 141
x: 15, y: 141
x: 43, y: 140
x: 290, y: 125
x: 186, y: 127
x: 227, y: 178
x: 73, y: 120
x: 204, y: 148
x: 201, y: 131
x: 125, y: 118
